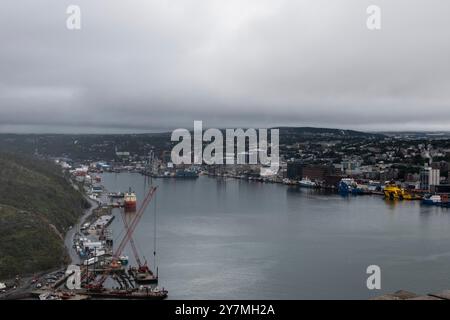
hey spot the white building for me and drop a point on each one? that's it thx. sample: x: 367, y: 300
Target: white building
x: 351, y: 166
x: 429, y: 177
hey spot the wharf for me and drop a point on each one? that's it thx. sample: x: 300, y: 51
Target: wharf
x: 58, y: 295
x: 406, y: 295
x: 127, y: 294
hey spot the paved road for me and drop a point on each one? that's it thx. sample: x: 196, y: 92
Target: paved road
x: 68, y: 241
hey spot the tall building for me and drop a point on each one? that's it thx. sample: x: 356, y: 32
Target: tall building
x: 317, y: 172
x: 294, y: 170
x: 429, y: 177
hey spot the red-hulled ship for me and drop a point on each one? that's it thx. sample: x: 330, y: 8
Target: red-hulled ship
x: 129, y: 201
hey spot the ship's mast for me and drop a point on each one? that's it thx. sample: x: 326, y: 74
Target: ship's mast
x: 154, y: 235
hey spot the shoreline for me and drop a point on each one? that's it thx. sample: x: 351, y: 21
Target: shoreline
x: 68, y: 238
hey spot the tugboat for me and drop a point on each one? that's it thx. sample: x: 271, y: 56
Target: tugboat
x: 432, y: 200
x: 129, y: 201
x: 123, y: 260
x: 349, y: 186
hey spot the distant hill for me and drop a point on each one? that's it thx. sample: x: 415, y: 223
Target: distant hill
x: 291, y: 135
x: 103, y: 147
x: 84, y: 146
x: 326, y: 132
x: 419, y: 135
x: 37, y: 204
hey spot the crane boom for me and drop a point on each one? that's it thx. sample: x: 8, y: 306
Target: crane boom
x: 134, y: 222
x: 133, y: 246
x: 127, y: 235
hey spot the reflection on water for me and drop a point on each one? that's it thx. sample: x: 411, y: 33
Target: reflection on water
x: 233, y: 239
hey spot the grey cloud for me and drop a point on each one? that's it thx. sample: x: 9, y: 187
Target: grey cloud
x: 159, y: 64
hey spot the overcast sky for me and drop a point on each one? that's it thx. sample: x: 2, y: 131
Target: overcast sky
x: 151, y: 65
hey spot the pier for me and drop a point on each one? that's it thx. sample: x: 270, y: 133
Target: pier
x: 406, y: 295
x: 90, y: 244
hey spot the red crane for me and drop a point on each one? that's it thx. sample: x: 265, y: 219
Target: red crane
x: 133, y: 246
x: 134, y: 222
x: 128, y: 235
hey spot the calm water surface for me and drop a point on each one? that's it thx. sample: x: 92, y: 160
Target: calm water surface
x: 232, y: 239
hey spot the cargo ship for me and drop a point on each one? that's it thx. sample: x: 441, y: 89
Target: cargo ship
x: 129, y: 201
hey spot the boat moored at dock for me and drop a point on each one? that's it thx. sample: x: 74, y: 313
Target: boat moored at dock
x: 143, y: 275
x: 116, y: 195
x: 394, y: 192
x: 130, y: 201
x: 349, y: 186
x: 440, y: 200
x: 140, y: 293
x: 307, y: 183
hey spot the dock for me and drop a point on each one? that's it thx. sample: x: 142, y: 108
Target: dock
x: 45, y: 294
x: 406, y: 295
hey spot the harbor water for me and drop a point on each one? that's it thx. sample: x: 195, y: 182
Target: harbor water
x: 233, y: 239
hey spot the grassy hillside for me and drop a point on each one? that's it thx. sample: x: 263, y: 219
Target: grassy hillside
x: 37, y: 204
x: 27, y: 244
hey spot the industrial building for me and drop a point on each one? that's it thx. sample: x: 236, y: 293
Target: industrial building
x: 429, y: 177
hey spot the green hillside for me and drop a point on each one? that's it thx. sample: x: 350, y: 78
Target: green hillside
x: 37, y: 204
